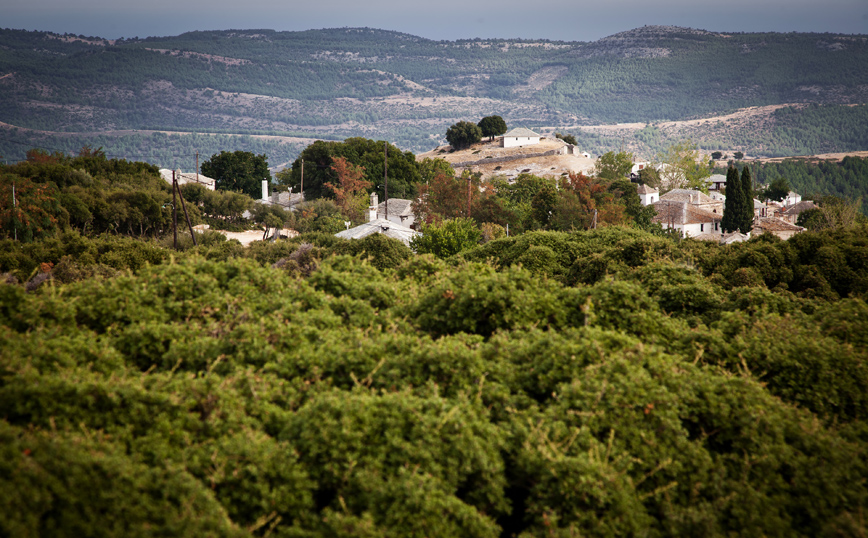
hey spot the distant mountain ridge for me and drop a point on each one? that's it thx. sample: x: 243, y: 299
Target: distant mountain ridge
x: 340, y: 82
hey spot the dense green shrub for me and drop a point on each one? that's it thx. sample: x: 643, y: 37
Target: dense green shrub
x: 211, y: 393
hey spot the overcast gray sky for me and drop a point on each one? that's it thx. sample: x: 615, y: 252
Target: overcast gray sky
x: 437, y: 19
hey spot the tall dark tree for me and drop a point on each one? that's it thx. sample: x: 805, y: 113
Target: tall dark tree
x: 492, y: 126
x: 240, y: 171
x: 463, y: 134
x: 732, y: 208
x: 746, y: 221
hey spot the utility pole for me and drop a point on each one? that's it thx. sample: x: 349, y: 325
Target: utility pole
x: 175, y: 211
x: 197, y: 166
x: 14, y: 204
x: 386, y: 175
x: 469, y: 183
x: 189, y: 224
x: 302, y: 180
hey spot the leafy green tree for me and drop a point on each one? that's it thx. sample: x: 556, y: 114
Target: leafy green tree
x: 613, y: 165
x: 649, y: 176
x: 240, y: 171
x: 543, y: 204
x: 463, y: 134
x: 738, y: 155
x: 568, y: 138
x: 733, y: 206
x: 683, y: 167
x: 447, y: 238
x: 627, y: 195
x: 404, y: 173
x: 492, y: 126
x: 716, y: 155
x: 428, y: 168
x: 778, y: 189
x: 745, y: 223
x: 812, y: 219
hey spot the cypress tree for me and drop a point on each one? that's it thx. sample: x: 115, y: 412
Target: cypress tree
x: 732, y: 206
x: 746, y: 220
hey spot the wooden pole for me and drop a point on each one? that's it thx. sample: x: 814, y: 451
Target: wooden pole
x: 469, y: 179
x: 386, y: 175
x: 302, y: 181
x: 14, y: 212
x: 174, y: 210
x: 197, y: 166
x: 189, y: 224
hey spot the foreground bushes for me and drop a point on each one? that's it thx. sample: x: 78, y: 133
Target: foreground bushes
x: 395, y: 395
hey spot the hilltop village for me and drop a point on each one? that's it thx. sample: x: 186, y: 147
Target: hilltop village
x: 508, y: 170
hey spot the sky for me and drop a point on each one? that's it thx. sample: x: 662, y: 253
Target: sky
x: 568, y: 20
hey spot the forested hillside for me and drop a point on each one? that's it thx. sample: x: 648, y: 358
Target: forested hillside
x: 348, y: 82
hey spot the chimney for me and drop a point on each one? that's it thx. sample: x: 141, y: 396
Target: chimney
x: 264, y: 190
x: 375, y: 202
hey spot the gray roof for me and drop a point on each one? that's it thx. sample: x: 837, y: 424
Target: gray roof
x: 645, y: 189
x: 397, y: 206
x: 521, y: 132
x: 686, y: 195
x: 772, y: 224
x: 801, y: 206
x: 186, y: 177
x: 380, y: 226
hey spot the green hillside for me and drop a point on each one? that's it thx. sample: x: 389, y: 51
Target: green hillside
x: 346, y: 82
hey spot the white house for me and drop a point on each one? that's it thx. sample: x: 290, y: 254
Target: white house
x: 792, y: 198
x: 687, y: 218
x: 188, y: 177
x: 520, y: 137
x: 637, y: 167
x: 648, y: 195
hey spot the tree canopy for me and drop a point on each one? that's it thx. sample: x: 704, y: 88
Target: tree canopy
x: 492, y: 126
x: 403, y: 173
x: 463, y: 134
x: 777, y: 189
x: 681, y: 167
x: 240, y: 171
x: 612, y: 166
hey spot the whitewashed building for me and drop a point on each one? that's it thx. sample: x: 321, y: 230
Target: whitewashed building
x: 687, y: 218
x: 792, y: 198
x: 648, y: 195
x: 520, y: 137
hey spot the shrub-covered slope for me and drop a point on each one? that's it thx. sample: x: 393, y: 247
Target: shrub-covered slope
x: 654, y: 390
